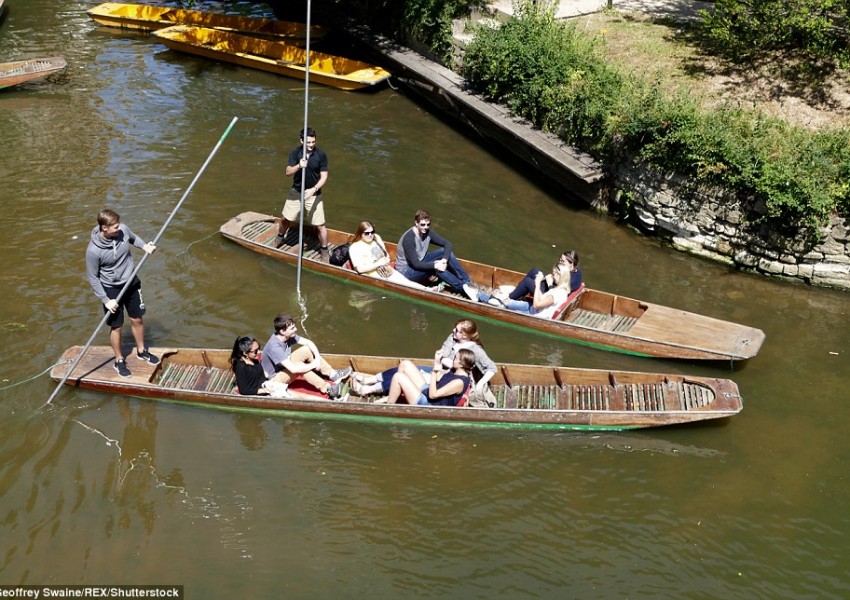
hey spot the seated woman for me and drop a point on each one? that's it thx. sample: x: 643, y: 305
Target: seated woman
x: 544, y: 304
x: 369, y: 257
x: 464, y: 335
x: 518, y: 298
x: 245, y: 362
x: 526, y: 286
x: 442, y: 388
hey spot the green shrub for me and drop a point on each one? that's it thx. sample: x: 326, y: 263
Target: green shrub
x: 557, y: 78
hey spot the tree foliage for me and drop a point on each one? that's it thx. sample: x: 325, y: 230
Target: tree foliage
x: 816, y: 28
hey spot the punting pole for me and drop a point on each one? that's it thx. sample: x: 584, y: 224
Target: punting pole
x: 304, y: 154
x: 142, y: 261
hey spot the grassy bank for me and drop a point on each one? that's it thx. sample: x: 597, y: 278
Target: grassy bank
x: 559, y: 77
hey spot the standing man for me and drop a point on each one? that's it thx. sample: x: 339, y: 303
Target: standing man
x: 312, y: 168
x: 415, y: 262
x: 109, y: 266
x: 288, y: 355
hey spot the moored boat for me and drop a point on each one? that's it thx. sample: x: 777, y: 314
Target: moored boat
x: 272, y: 56
x: 150, y: 18
x: 592, y: 317
x: 21, y: 71
x: 541, y: 397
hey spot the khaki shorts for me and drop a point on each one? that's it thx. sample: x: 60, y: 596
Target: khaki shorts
x: 314, y: 208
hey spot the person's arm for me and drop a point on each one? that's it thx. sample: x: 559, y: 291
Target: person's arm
x: 323, y: 178
x: 439, y: 240
x: 455, y: 386
x: 93, y: 273
x: 138, y: 242
x: 485, y: 364
x: 294, y: 162
x: 541, y: 300
x: 298, y: 367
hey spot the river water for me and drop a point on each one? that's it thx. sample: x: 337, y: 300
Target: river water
x: 101, y: 489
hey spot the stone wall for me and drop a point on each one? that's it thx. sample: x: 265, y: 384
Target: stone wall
x: 714, y: 224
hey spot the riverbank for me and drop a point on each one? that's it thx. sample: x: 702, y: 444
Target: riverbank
x: 662, y: 204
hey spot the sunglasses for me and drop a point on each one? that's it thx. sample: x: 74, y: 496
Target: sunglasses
x: 369, y: 232
x: 424, y: 223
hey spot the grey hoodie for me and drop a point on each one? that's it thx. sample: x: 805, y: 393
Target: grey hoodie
x: 108, y: 262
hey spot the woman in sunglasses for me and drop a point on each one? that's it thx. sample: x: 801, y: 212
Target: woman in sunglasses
x: 463, y: 336
x: 369, y: 257
x: 245, y: 361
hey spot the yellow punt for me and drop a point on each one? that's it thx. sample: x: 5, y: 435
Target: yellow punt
x: 150, y: 18
x: 275, y: 57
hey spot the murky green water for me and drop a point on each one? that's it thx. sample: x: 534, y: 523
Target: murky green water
x: 106, y: 489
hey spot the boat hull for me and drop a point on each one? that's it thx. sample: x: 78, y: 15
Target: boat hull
x: 21, y: 71
x: 528, y: 396
x: 272, y: 56
x: 597, y: 318
x: 146, y: 18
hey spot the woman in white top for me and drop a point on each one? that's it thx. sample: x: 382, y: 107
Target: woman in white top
x: 544, y: 304
x: 369, y: 257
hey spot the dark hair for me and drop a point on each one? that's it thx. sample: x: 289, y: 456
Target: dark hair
x: 466, y: 358
x: 421, y: 214
x: 240, y: 348
x: 364, y: 225
x: 282, y: 322
x: 571, y: 256
x: 309, y: 131
x: 107, y: 216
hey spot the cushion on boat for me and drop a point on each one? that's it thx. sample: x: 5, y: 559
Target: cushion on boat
x: 465, y: 397
x: 559, y: 312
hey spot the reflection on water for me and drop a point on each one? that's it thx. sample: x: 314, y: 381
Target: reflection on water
x: 100, y: 487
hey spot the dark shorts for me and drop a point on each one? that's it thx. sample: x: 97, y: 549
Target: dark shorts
x: 132, y: 301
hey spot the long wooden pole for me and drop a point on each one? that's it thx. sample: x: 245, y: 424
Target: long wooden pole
x: 142, y: 261
x: 304, y: 155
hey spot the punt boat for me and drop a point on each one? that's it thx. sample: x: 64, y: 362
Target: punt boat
x: 272, y: 56
x: 592, y: 317
x: 21, y: 71
x: 526, y: 396
x: 142, y: 17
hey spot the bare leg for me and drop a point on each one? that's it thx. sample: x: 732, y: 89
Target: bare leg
x: 303, y: 354
x: 137, y: 325
x: 402, y: 384
x: 115, y: 342
x: 282, y: 226
x: 323, y: 235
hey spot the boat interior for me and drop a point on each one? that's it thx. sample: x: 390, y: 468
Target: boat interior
x: 586, y: 308
x: 200, y: 371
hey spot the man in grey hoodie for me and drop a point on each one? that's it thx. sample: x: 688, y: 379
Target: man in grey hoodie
x: 109, y: 266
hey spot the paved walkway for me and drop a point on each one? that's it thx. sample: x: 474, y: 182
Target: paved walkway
x: 677, y: 10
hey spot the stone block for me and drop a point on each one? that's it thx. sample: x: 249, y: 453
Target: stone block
x: 770, y: 266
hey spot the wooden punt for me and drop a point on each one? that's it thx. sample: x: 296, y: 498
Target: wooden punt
x: 530, y: 396
x: 274, y: 57
x: 150, y: 18
x: 21, y: 71
x: 594, y: 317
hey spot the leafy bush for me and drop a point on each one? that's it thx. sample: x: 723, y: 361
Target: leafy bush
x: 556, y: 77
x: 817, y: 28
